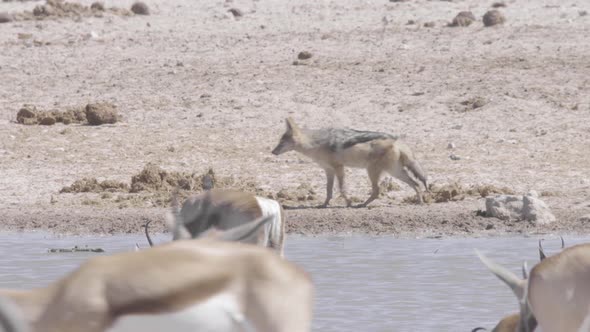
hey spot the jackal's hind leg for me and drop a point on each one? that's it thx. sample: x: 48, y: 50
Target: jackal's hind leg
x: 402, y: 174
x: 374, y: 175
x: 341, y: 186
x: 329, y: 188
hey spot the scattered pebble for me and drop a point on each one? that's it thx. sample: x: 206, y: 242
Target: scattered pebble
x: 493, y: 17
x: 97, y: 5
x: 489, y: 226
x: 304, y: 55
x: 429, y: 25
x: 463, y: 19
x: 5, y: 18
x: 454, y: 157
x: 140, y: 8
x: 451, y: 146
x: 101, y: 113
x: 499, y: 4
x: 583, y: 13
x: 236, y: 12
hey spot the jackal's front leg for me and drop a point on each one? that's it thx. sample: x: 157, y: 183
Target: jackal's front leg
x: 330, y: 187
x: 341, y: 186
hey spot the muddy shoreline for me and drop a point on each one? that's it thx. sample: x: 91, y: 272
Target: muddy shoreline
x: 453, y: 219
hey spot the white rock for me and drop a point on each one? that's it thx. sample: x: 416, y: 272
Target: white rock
x: 536, y: 211
x: 504, y: 207
x: 515, y: 207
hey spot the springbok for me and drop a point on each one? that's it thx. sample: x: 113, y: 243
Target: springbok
x: 252, y: 283
x: 232, y: 208
x: 510, y: 322
x: 555, y: 295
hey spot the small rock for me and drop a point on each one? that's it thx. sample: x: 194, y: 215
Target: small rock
x: 463, y: 19
x: 454, y: 157
x: 23, y: 36
x: 513, y: 207
x: 411, y: 22
x: 236, y: 12
x: 26, y: 112
x: 140, y: 8
x: 583, y: 13
x: 5, y: 18
x: 533, y: 193
x: 504, y: 207
x: 47, y: 121
x: 429, y: 25
x: 537, y: 211
x: 498, y: 4
x: 584, y: 219
x: 489, y: 226
x: 451, y: 146
x: 457, y: 127
x: 97, y: 5
x: 101, y: 113
x: 304, y: 55
x: 493, y: 17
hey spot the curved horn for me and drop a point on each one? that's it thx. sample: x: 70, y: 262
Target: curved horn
x: 562, y: 242
x: 147, y: 234
x: 542, y: 255
x: 516, y: 284
x: 479, y: 329
x: 11, y: 319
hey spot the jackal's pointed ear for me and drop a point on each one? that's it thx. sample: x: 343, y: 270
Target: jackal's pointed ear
x: 290, y: 124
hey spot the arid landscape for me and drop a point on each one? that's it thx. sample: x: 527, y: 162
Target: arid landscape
x: 204, y: 87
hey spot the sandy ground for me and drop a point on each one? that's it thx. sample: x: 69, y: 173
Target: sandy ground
x: 199, y: 89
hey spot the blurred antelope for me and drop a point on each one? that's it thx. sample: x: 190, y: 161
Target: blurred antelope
x: 510, y: 322
x: 231, y: 209
x: 556, y: 294
x: 249, y: 283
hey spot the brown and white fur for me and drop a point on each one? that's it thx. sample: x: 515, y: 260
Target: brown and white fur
x: 333, y: 149
x: 273, y: 294
x: 510, y: 322
x: 230, y: 209
x: 556, y: 293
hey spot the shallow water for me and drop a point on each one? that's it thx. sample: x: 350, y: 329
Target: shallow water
x: 362, y: 283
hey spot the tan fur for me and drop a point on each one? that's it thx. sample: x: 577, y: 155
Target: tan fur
x: 275, y: 295
x: 508, y: 324
x: 556, y: 297
x: 559, y: 291
x: 377, y: 156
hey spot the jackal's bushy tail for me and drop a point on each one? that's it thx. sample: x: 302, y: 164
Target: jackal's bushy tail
x: 415, y: 168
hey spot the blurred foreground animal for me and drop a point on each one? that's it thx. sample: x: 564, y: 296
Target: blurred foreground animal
x: 556, y: 295
x: 247, y: 283
x: 218, y: 210
x: 335, y: 148
x: 510, y: 322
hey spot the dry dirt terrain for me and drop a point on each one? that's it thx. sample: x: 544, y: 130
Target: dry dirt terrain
x: 196, y: 87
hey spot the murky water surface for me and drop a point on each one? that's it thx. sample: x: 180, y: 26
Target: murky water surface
x: 363, y: 283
